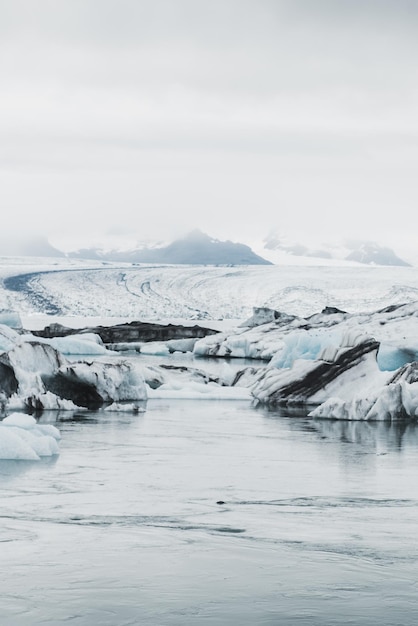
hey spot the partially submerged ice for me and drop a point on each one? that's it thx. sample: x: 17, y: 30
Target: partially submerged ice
x: 360, y: 366
x: 340, y: 365
x: 23, y: 439
x: 34, y: 376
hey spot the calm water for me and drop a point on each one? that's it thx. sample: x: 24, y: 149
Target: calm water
x: 318, y: 526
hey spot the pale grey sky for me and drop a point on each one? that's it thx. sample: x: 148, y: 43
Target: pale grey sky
x: 146, y: 117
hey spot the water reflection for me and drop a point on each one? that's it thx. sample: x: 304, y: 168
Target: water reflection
x: 378, y: 436
x: 103, y: 415
x: 374, y: 435
x: 10, y: 468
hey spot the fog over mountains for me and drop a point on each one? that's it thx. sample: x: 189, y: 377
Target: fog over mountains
x: 278, y: 248
x: 198, y: 248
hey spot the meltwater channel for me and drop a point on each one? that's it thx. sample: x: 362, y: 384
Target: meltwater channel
x: 213, y: 513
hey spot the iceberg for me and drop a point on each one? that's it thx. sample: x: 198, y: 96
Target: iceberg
x: 113, y: 381
x: 347, y: 366
x: 344, y: 366
x: 23, y: 439
x: 35, y: 376
x: 398, y: 399
x: 198, y: 391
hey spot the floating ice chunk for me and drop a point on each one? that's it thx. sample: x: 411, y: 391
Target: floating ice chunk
x: 181, y: 345
x: 198, y: 391
x: 158, y: 348
x: 21, y: 420
x: 83, y: 343
x: 129, y: 407
x: 117, y: 380
x: 393, y: 402
x: 22, y: 438
x: 336, y: 408
x: 13, y: 446
x: 88, y: 343
x: 49, y: 401
x: 209, y: 345
x: 239, y: 345
x: 316, y: 381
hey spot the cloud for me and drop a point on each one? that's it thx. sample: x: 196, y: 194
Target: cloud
x: 229, y: 115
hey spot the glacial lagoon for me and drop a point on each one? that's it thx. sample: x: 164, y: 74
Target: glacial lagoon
x: 214, y: 513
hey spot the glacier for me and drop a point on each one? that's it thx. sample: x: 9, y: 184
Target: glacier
x: 341, y: 362
x: 71, y: 288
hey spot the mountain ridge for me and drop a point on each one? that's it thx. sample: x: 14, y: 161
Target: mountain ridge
x: 279, y: 249
x: 195, y: 248
x: 198, y: 248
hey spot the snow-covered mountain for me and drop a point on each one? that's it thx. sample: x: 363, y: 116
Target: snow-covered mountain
x: 196, y: 248
x: 370, y: 252
x: 280, y: 249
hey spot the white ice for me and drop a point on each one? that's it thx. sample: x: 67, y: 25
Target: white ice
x: 23, y: 439
x: 194, y: 391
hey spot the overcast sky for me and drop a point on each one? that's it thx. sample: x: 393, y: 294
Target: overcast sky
x: 152, y: 117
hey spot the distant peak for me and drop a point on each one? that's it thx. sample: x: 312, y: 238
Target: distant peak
x: 196, y: 235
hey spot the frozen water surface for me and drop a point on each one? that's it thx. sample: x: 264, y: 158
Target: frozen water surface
x: 318, y: 525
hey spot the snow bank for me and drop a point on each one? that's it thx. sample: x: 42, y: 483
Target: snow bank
x: 23, y: 439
